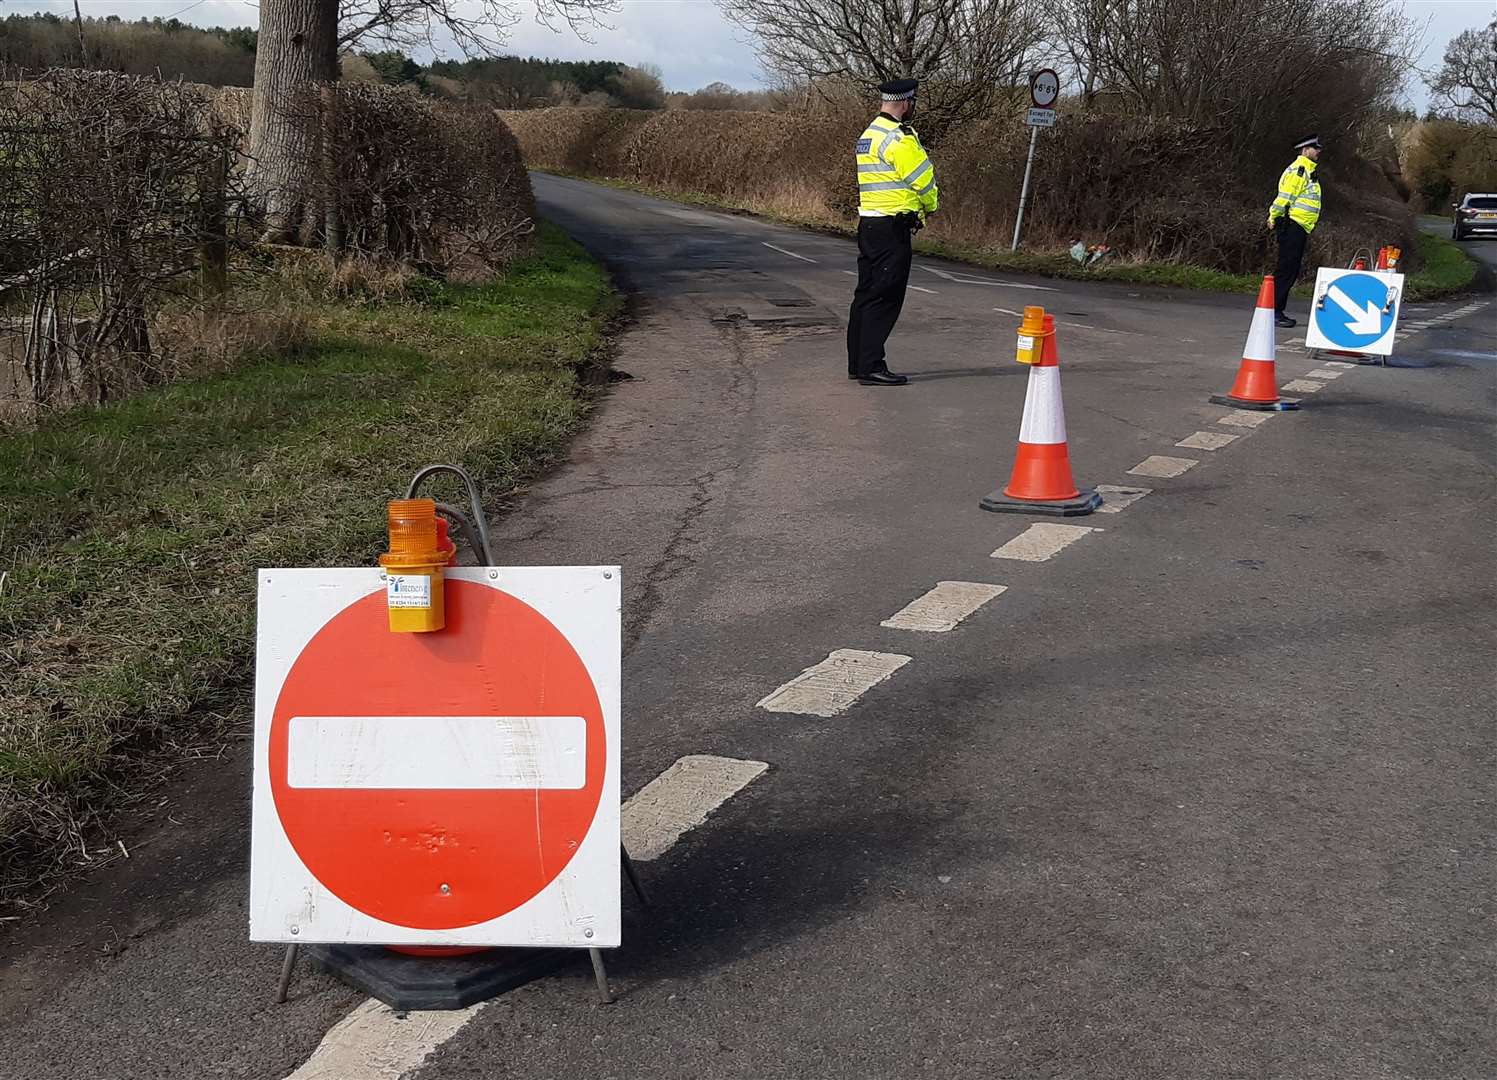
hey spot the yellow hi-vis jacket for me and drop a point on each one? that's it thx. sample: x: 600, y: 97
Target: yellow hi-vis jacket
x: 894, y: 174
x: 1299, y: 195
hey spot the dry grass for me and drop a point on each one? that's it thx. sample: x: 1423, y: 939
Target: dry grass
x: 1160, y: 192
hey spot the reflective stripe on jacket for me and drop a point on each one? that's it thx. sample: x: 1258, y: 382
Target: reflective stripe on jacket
x: 894, y: 174
x: 1299, y: 195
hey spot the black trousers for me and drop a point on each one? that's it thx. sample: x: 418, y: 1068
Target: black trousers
x: 883, y: 272
x: 1292, y: 241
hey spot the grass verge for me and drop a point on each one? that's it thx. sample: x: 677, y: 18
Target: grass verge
x: 1447, y: 269
x: 129, y: 534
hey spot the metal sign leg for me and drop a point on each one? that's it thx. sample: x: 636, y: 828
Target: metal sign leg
x: 287, y: 965
x: 633, y: 876
x: 605, y: 995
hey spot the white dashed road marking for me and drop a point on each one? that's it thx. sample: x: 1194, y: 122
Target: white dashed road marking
x: 1302, y: 386
x: 944, y: 606
x: 1015, y: 314
x: 1340, y: 364
x: 1116, y: 499
x: 679, y: 799
x: 1207, y: 440
x: 782, y: 251
x: 1243, y: 418
x: 376, y: 1043
x: 1164, y: 467
x: 1324, y: 373
x: 918, y: 288
x: 1042, y: 542
x: 833, y: 685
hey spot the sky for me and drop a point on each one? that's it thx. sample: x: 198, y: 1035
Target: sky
x: 688, y: 40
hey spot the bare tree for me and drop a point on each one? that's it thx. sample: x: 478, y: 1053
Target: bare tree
x: 1468, y: 77
x: 1261, y: 71
x: 298, y: 48
x: 968, y: 51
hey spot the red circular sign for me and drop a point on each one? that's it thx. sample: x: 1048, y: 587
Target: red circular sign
x: 438, y: 859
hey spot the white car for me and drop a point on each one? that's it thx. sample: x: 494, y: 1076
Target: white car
x: 1473, y: 214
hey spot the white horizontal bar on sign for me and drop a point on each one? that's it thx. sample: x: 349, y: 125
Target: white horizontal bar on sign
x: 464, y: 753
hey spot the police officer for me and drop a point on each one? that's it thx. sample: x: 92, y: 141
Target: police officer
x: 896, y: 191
x: 1293, y: 215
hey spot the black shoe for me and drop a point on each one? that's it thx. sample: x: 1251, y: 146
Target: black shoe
x: 852, y: 375
x: 1285, y: 321
x: 883, y: 378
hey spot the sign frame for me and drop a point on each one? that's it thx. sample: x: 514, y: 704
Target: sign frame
x: 580, y: 907
x: 1327, y: 294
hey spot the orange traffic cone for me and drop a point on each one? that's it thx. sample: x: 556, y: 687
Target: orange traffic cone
x: 1041, y: 482
x: 1257, y: 385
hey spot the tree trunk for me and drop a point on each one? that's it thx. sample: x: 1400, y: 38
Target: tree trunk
x: 298, y: 48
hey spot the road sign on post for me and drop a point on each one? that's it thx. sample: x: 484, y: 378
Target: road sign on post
x: 453, y: 788
x: 1354, y: 311
x: 1044, y: 91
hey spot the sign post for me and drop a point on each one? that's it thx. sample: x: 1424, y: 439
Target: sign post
x: 1044, y: 89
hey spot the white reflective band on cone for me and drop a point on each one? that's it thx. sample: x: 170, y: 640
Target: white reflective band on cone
x: 1044, y: 413
x: 1260, y: 344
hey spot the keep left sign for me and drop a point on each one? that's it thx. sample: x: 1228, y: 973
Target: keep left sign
x: 1354, y: 311
x: 452, y: 788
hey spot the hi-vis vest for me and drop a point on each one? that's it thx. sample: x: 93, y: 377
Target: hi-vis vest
x: 894, y: 173
x: 1299, y: 195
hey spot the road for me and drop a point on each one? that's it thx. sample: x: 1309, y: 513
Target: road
x: 1205, y: 793
x: 1483, y: 249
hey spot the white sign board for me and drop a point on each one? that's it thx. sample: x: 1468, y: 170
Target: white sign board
x: 1354, y: 311
x: 459, y: 787
x: 1040, y: 118
x: 1044, y: 88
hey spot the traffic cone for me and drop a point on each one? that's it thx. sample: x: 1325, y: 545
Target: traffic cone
x: 1257, y: 387
x: 1041, y: 482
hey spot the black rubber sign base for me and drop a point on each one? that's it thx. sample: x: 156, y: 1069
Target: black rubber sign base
x: 408, y: 983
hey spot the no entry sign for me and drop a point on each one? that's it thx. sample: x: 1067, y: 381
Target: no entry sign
x: 456, y: 787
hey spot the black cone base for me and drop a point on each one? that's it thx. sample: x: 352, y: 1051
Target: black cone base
x: 1282, y: 405
x: 436, y: 982
x: 1085, y: 502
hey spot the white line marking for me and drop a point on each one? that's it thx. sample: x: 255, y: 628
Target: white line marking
x: 1244, y: 419
x: 1207, y: 440
x: 850, y: 273
x: 679, y: 799
x: 376, y: 1043
x: 782, y: 251
x: 944, y: 606
x: 963, y: 279
x: 1042, y: 542
x: 1164, y: 467
x: 919, y: 288
x: 1116, y: 499
x: 1302, y: 386
x: 1100, y: 329
x: 1015, y: 314
x: 1323, y: 373
x: 1338, y: 364
x: 833, y: 685
x: 469, y: 753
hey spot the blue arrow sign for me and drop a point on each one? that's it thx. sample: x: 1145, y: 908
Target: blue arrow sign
x: 1352, y: 315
